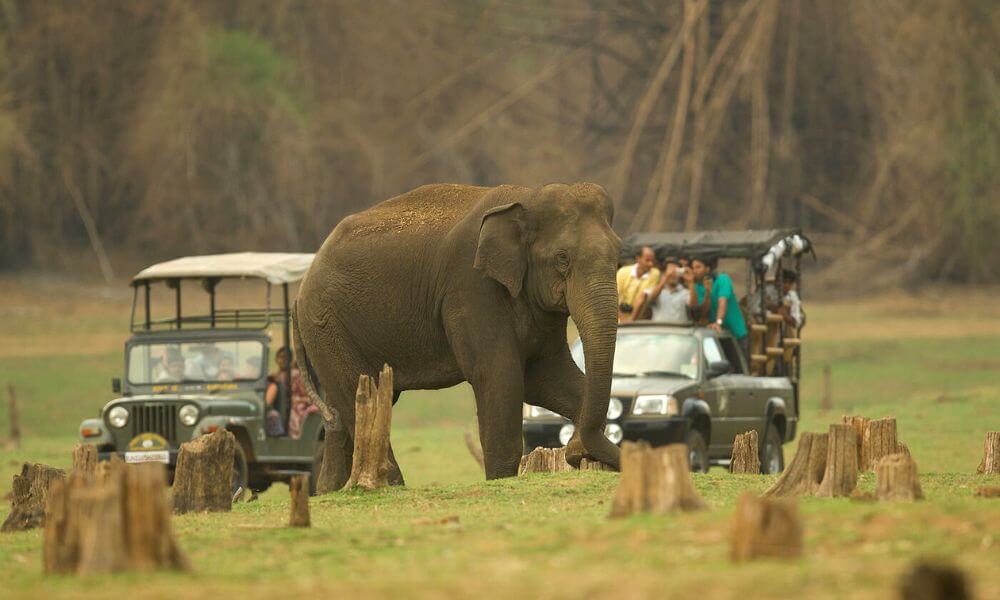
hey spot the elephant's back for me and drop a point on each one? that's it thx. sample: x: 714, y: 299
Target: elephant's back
x: 428, y: 209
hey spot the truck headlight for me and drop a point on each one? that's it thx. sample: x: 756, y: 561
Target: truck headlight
x: 536, y: 412
x: 188, y: 415
x: 660, y: 404
x: 613, y: 432
x: 118, y: 417
x: 614, y: 409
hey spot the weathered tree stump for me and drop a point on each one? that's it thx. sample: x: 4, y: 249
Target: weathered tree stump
x: 372, y: 423
x: 896, y: 478
x: 990, y: 464
x: 544, y: 460
x: 746, y: 457
x: 805, y: 473
x: 902, y: 448
x: 765, y: 527
x: 879, y: 440
x: 841, y: 475
x: 114, y: 522
x: 204, y: 476
x: 299, y: 489
x: 587, y: 464
x: 84, y: 459
x: 28, y: 496
x: 474, y: 449
x: 654, y: 480
x: 928, y: 581
x: 860, y: 424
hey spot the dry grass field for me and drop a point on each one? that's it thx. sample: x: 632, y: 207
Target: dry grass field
x: 931, y: 361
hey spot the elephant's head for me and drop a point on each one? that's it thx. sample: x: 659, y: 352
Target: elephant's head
x: 555, y: 247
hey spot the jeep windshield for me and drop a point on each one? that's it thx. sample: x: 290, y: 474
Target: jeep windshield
x: 195, y: 362
x: 650, y: 354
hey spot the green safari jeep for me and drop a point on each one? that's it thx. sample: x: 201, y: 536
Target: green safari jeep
x: 188, y: 375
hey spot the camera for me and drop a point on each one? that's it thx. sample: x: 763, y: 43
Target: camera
x: 625, y: 308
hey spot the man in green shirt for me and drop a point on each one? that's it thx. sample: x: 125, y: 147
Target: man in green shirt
x: 725, y: 308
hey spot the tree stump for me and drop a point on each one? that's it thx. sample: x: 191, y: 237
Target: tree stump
x: 299, y: 489
x: 879, y: 440
x: 204, y: 476
x: 841, y: 475
x: 28, y: 496
x: 746, y: 457
x: 106, y: 524
x: 805, y: 473
x: 587, y: 464
x: 654, y: 480
x: 928, y: 581
x: 990, y: 464
x: 987, y: 492
x: 896, y: 478
x: 372, y: 422
x: 860, y: 424
x: 84, y: 459
x: 902, y: 448
x: 544, y: 460
x: 765, y: 527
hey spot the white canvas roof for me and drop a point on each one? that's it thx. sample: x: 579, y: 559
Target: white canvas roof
x: 275, y: 267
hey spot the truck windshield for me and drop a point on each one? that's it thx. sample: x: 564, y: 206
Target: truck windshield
x: 195, y: 362
x: 653, y: 354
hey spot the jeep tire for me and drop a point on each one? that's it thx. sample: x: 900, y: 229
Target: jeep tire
x: 772, y: 454
x: 697, y: 451
x: 241, y: 472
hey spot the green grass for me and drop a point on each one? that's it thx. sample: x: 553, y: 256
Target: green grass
x: 549, y: 535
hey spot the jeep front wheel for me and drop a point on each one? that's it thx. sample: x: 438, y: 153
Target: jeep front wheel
x: 772, y: 454
x: 240, y: 470
x: 697, y: 451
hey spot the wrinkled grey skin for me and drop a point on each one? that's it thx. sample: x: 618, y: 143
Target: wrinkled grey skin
x: 451, y: 283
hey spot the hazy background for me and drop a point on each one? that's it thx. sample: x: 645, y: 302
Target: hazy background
x: 135, y: 131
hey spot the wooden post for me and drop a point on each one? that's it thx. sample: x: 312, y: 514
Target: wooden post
x: 990, y: 465
x: 544, y: 460
x: 826, y: 400
x: 29, y: 494
x: 765, y: 527
x: 372, y: 424
x: 841, y: 475
x: 14, y: 441
x: 299, y: 489
x: 745, y: 457
x: 84, y: 458
x: 116, y: 521
x: 896, y: 478
x: 879, y: 440
x: 474, y: 449
x: 805, y: 473
x: 204, y: 475
x: 654, y: 480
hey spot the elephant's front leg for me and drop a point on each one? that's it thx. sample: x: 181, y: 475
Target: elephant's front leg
x: 556, y: 383
x: 499, y: 398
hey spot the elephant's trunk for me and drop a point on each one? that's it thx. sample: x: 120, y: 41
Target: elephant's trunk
x: 592, y: 300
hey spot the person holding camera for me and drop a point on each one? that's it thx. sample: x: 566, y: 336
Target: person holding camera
x: 669, y: 299
x: 635, y: 282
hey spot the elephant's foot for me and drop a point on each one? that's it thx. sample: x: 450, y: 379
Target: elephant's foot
x: 575, y: 452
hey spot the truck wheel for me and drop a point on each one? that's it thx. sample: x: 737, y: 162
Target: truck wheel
x: 772, y: 453
x: 241, y: 473
x: 697, y: 451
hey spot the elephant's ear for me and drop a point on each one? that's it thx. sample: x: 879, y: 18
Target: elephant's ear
x: 501, y: 253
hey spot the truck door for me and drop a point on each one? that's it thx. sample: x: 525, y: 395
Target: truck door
x: 724, y: 395
x: 749, y: 404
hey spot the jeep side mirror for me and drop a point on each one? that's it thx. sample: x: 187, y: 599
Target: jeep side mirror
x: 717, y: 367
x: 116, y: 385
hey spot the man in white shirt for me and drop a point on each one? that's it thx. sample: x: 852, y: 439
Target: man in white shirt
x: 791, y: 305
x: 669, y: 299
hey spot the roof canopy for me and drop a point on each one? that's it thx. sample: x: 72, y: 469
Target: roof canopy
x: 275, y: 267
x: 718, y: 244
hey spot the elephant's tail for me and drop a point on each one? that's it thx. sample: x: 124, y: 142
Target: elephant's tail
x: 309, y: 378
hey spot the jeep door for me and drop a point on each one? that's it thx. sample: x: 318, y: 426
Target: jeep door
x: 730, y: 398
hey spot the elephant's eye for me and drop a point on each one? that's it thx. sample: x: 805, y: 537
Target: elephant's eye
x: 562, y: 260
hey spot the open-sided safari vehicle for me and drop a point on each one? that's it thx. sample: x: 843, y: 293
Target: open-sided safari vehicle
x: 203, y: 369
x: 681, y: 383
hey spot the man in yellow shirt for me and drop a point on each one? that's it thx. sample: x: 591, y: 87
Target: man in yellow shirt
x: 635, y: 282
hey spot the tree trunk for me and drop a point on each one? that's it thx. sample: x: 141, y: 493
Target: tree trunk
x: 879, y: 441
x: 85, y: 459
x: 896, y: 478
x: 746, y: 457
x: 372, y: 423
x: 544, y: 460
x: 990, y: 464
x: 299, y: 489
x: 860, y: 425
x: 118, y: 520
x: 204, y: 475
x: 841, y: 476
x: 333, y: 473
x: 654, y: 480
x: 765, y: 527
x: 28, y: 496
x: 805, y: 473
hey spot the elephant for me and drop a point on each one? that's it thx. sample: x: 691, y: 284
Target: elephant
x: 449, y: 283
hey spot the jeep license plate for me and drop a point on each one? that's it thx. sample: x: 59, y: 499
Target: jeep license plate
x: 161, y: 456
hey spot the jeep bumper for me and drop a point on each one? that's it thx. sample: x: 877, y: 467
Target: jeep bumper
x: 658, y: 432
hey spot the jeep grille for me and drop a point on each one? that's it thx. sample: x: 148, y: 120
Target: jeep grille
x: 160, y: 419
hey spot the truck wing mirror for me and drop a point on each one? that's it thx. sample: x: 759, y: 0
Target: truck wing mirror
x: 718, y: 367
x: 116, y: 385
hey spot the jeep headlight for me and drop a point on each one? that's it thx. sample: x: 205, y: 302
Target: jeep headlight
x: 118, y: 417
x: 536, y: 412
x: 615, y: 409
x: 188, y: 414
x: 659, y: 404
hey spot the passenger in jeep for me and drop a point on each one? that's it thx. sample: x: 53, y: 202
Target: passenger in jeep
x: 172, y: 368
